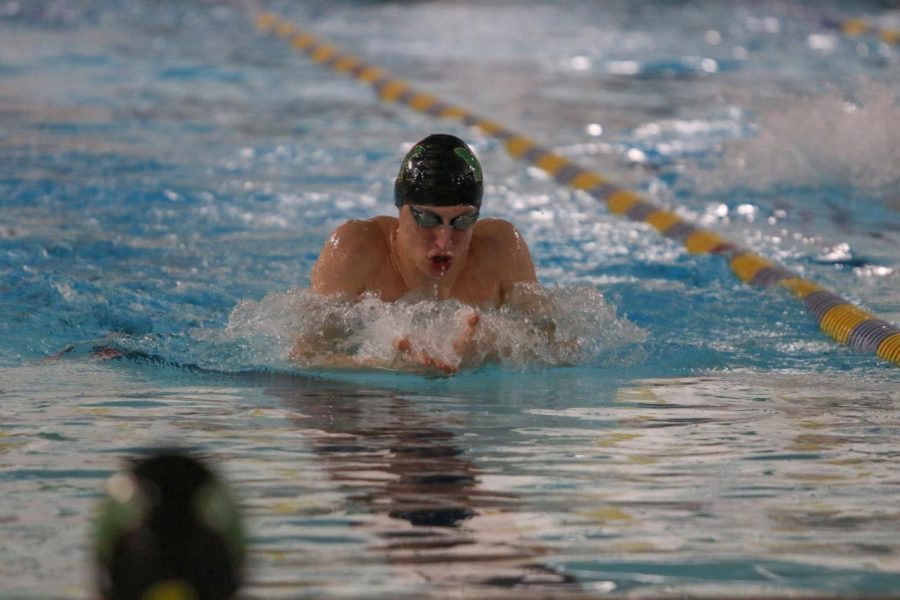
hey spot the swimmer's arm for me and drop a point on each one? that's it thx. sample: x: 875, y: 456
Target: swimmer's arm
x: 407, y: 358
x: 316, y: 350
x: 514, y: 270
x: 338, y: 272
x: 348, y: 362
x: 521, y: 290
x: 519, y: 285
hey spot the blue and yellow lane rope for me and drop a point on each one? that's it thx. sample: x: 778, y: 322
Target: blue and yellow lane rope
x: 843, y: 321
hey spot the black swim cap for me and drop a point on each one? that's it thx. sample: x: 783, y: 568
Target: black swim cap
x: 441, y: 170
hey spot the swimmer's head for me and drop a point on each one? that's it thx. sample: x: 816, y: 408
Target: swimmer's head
x: 168, y: 528
x: 440, y: 170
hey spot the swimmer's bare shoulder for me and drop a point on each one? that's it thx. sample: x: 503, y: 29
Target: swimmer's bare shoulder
x: 353, y: 257
x: 498, y: 247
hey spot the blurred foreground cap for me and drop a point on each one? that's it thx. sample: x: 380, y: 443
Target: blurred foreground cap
x: 168, y: 529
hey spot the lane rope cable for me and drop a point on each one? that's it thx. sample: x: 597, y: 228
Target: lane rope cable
x: 842, y: 320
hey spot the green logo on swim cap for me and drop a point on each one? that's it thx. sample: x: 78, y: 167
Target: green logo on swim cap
x: 414, y: 151
x: 464, y: 153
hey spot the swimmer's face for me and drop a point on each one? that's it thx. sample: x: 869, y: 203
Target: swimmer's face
x: 439, y: 235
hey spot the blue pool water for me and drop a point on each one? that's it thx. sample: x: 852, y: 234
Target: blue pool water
x: 168, y: 175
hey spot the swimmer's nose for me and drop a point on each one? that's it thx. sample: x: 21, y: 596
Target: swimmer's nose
x: 443, y: 236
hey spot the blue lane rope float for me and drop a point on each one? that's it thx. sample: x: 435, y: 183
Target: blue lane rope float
x: 843, y: 321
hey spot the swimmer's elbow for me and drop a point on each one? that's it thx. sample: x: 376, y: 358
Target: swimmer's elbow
x: 530, y: 298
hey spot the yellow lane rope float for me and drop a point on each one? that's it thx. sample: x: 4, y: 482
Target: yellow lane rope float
x: 846, y: 323
x: 861, y: 27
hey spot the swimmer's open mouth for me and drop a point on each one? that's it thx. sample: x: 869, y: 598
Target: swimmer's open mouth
x: 441, y: 262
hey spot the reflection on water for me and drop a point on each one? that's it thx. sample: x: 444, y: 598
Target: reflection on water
x: 435, y: 524
x: 773, y: 473
x: 734, y: 483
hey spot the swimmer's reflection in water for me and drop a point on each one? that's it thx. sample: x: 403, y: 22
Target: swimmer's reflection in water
x: 436, y: 521
x: 437, y: 248
x: 421, y: 476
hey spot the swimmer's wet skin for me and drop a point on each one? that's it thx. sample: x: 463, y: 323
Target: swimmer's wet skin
x: 437, y: 248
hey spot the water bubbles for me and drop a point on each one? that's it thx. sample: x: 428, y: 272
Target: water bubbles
x: 815, y: 141
x: 872, y: 271
x: 709, y: 65
x: 594, y: 129
x: 302, y: 329
x: 648, y: 129
x: 837, y: 253
x: 824, y: 43
x: 538, y: 173
x: 713, y: 37
x: 623, y: 67
x: 715, y: 212
x: 543, y: 215
x: 763, y: 24
x: 636, y: 155
x: 748, y: 211
x: 580, y: 63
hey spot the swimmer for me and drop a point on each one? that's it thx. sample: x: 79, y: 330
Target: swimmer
x: 437, y: 248
x: 168, y: 527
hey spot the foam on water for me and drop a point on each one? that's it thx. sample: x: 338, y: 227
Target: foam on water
x: 831, y: 139
x: 586, y: 330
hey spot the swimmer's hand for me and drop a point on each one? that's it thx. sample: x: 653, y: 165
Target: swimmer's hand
x: 408, y: 354
x: 463, y: 346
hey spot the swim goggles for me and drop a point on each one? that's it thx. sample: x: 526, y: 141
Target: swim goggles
x: 426, y: 218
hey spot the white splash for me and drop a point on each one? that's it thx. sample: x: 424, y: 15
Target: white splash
x: 814, y: 141
x: 585, y: 331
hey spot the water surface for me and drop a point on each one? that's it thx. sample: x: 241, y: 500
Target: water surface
x: 168, y: 175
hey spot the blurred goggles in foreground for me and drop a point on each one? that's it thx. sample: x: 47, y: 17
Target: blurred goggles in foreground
x: 429, y: 219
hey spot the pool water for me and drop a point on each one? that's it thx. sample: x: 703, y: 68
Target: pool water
x: 168, y: 175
